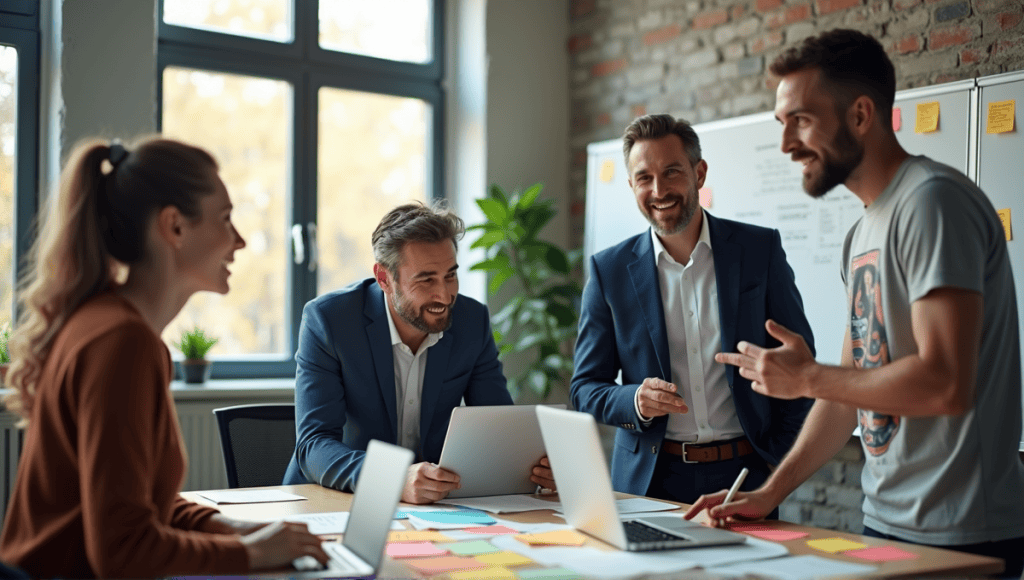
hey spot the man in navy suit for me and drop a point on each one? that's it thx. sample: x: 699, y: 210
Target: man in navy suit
x: 388, y: 358
x: 659, y: 306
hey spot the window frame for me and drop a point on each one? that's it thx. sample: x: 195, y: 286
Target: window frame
x: 19, y: 28
x: 308, y: 67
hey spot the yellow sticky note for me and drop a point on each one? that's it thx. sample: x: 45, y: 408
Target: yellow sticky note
x: 1004, y: 216
x: 927, y: 117
x: 835, y: 545
x: 505, y: 558
x: 1000, y: 117
x: 418, y: 536
x: 492, y: 573
x: 554, y: 538
x: 607, y: 170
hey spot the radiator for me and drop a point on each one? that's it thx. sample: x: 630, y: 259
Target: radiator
x: 202, y: 445
x: 11, y: 439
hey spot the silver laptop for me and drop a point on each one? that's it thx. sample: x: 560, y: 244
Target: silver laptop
x: 493, y: 449
x: 373, y: 507
x: 585, y: 489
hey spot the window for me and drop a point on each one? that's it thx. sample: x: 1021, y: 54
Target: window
x: 323, y: 115
x: 19, y: 89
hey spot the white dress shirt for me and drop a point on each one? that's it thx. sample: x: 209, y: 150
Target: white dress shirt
x: 689, y: 296
x: 409, y: 371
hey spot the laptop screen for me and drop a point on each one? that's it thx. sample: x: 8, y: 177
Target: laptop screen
x: 377, y: 493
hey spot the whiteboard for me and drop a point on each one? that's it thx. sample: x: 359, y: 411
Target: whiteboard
x: 751, y: 180
x: 1001, y: 171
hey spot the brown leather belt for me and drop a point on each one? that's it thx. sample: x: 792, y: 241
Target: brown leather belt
x: 709, y: 452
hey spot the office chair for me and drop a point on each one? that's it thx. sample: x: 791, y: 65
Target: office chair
x: 257, y: 441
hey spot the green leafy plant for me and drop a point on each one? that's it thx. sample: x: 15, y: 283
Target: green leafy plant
x: 194, y: 344
x: 5, y: 337
x: 539, y: 320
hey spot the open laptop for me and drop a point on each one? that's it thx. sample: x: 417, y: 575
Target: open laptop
x: 493, y: 449
x: 373, y: 507
x: 585, y: 489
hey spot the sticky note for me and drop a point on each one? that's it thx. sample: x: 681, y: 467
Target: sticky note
x: 1004, y: 216
x: 549, y: 574
x: 835, y: 545
x: 504, y: 558
x: 882, y: 554
x: 607, y: 170
x: 1000, y: 117
x: 471, y: 548
x: 704, y: 197
x: 492, y: 573
x: 468, y: 518
x: 431, y: 566
x: 766, y: 533
x: 927, y: 117
x: 491, y: 530
x: 554, y: 538
x: 418, y: 536
x: 897, y: 119
x: 413, y: 550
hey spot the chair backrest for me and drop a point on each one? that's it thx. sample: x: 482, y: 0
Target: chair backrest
x: 258, y: 442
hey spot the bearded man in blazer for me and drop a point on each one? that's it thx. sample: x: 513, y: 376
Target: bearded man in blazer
x: 658, y: 306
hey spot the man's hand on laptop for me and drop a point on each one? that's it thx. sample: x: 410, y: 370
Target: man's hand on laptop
x: 427, y: 483
x: 656, y: 397
x: 543, y: 476
x: 744, y: 507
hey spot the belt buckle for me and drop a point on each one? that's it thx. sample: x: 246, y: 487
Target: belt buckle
x: 683, y: 454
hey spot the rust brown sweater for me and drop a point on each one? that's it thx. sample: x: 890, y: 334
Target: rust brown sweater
x: 103, y: 462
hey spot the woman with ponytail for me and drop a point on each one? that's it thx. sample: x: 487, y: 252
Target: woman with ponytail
x: 130, y: 236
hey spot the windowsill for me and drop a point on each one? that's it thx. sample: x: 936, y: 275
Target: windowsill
x: 234, y: 388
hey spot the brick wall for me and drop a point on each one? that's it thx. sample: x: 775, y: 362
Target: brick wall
x: 704, y: 60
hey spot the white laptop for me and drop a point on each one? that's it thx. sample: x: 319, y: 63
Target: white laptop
x: 585, y: 489
x: 373, y: 507
x: 493, y: 449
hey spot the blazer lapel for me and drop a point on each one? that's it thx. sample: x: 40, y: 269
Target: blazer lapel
x: 378, y: 333
x: 644, y: 274
x: 437, y: 362
x: 728, y: 267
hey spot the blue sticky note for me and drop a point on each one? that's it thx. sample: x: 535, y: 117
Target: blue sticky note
x: 456, y: 517
x: 401, y: 515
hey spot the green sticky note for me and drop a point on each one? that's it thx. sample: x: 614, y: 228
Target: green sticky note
x: 548, y: 574
x: 471, y: 548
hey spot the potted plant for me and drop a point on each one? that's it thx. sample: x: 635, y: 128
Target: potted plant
x: 5, y: 356
x: 538, y: 323
x: 194, y: 344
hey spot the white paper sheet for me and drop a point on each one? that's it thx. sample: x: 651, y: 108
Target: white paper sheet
x: 794, y: 568
x: 499, y: 504
x: 329, y: 522
x: 249, y: 496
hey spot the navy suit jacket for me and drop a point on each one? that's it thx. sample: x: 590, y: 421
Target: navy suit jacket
x: 345, y: 382
x: 622, y: 328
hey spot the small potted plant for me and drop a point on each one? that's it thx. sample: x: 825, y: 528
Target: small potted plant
x: 194, y: 344
x: 5, y: 357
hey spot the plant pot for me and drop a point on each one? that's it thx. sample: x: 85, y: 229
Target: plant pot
x: 195, y: 371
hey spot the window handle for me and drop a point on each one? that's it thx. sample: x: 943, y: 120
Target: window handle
x: 298, y: 247
x: 314, y: 247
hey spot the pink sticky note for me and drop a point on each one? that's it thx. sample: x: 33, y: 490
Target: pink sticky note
x: 777, y: 535
x: 897, y: 119
x: 413, y: 550
x: 748, y: 527
x: 882, y: 554
x: 431, y: 566
x: 704, y: 197
x: 492, y: 530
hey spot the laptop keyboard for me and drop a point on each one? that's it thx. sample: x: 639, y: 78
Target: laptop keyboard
x: 641, y: 536
x: 339, y: 557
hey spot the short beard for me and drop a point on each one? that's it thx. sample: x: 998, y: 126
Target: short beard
x: 689, y: 209
x: 836, y: 171
x: 417, y: 320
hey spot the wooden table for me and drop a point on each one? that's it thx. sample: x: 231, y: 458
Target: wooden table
x: 931, y: 561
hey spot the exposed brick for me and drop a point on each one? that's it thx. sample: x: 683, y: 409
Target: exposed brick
x: 993, y: 5
x: 734, y: 51
x: 830, y: 6
x: 750, y: 66
x: 710, y: 19
x: 662, y: 35
x: 700, y: 59
x: 1007, y: 20
x: 582, y: 7
x: 724, y: 34
x: 972, y: 55
x: 952, y: 11
x: 798, y: 13
x: 737, y: 12
x: 842, y: 496
x: 766, y: 41
x: 602, y: 120
x: 905, y: 4
x: 638, y: 110
x: 764, y: 6
x: 579, y: 42
x: 1002, y: 47
x: 607, y: 67
x: 748, y: 27
x: 908, y: 44
x: 799, y: 31
x: 650, y: 20
x: 952, y: 36
x: 775, y: 20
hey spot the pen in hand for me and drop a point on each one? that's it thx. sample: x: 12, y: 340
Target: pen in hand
x: 736, y: 486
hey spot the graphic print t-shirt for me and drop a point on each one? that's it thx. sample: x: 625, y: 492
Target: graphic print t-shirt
x: 941, y: 480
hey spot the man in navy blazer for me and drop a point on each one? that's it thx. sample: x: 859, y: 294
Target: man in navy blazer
x: 388, y: 358
x: 658, y: 306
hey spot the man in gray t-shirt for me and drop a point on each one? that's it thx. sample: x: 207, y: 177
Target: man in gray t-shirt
x: 931, y: 365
